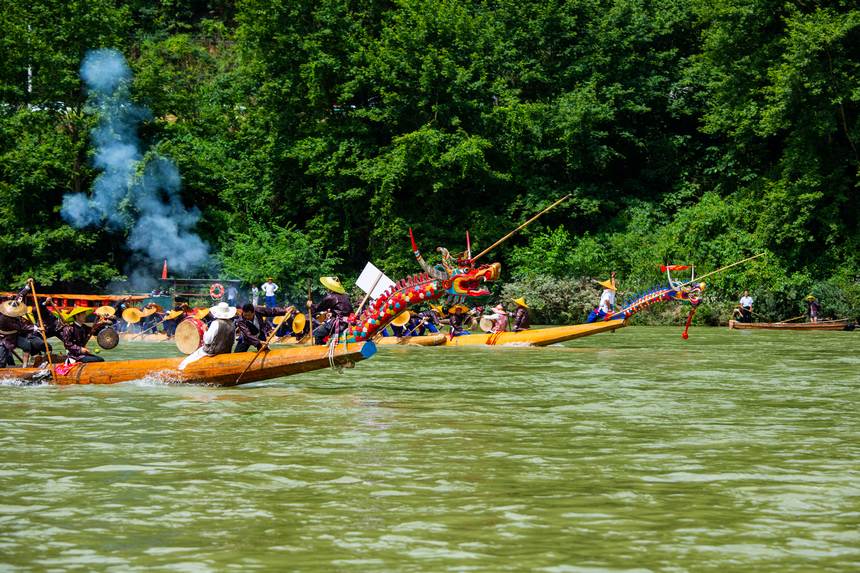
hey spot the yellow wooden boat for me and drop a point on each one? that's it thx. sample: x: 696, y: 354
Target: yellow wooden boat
x: 536, y: 336
x: 220, y: 370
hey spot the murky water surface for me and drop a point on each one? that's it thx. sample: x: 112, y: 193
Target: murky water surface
x: 633, y: 451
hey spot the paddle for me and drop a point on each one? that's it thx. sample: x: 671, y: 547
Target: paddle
x: 523, y: 226
x: 42, y: 329
x: 795, y: 318
x: 142, y: 332
x: 309, y: 322
x: 265, y: 346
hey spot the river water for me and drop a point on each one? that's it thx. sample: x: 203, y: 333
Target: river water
x: 632, y: 451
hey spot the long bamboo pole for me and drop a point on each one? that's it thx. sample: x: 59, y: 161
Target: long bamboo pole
x: 265, y: 346
x: 721, y: 269
x: 42, y: 329
x: 523, y: 226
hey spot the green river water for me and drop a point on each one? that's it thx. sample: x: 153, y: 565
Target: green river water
x: 633, y: 451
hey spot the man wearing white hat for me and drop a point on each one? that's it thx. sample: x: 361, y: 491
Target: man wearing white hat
x: 219, y: 335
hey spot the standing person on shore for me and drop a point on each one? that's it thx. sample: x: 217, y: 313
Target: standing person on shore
x: 232, y: 294
x: 269, y: 289
x: 255, y: 295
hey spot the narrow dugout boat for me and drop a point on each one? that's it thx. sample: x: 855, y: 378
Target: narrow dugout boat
x: 220, y: 370
x: 844, y: 324
x: 536, y: 337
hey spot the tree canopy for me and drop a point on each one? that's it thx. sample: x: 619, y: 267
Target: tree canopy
x: 312, y: 135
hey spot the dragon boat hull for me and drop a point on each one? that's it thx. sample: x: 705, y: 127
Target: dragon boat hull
x: 844, y: 324
x: 220, y: 370
x: 426, y: 340
x: 538, y: 336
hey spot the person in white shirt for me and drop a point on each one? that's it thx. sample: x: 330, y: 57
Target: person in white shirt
x: 606, y: 306
x: 219, y: 335
x: 232, y: 295
x: 255, y: 295
x: 269, y: 289
x: 745, y: 307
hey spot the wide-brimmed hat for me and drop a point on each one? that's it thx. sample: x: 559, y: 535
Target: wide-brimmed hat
x: 76, y: 311
x: 157, y: 307
x: 131, y: 315
x: 500, y: 309
x: 520, y: 302
x: 13, y: 308
x: 810, y: 297
x: 105, y: 311
x: 223, y: 310
x: 608, y: 283
x: 201, y: 313
x: 173, y: 314
x: 437, y: 308
x: 456, y: 307
x: 147, y: 311
x: 333, y: 284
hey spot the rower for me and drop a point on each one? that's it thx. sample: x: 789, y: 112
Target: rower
x: 813, y: 308
x: 76, y: 335
x: 338, y: 307
x: 521, y: 316
x: 219, y: 336
x: 745, y: 307
x: 456, y: 320
x: 12, y: 327
x: 499, y: 318
x: 252, y: 328
x: 606, y: 306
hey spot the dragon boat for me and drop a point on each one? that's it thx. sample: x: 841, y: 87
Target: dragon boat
x: 843, y: 324
x: 220, y: 370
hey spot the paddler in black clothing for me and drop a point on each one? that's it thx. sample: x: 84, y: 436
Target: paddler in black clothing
x: 13, y: 326
x: 336, y: 305
x: 521, y: 316
x: 251, y: 327
x: 76, y: 335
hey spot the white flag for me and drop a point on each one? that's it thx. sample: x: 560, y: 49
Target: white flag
x: 370, y: 276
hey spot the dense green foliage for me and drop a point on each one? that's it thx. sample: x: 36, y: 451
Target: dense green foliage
x: 312, y: 135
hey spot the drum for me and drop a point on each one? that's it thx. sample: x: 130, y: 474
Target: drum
x: 486, y: 324
x: 107, y: 338
x: 189, y: 335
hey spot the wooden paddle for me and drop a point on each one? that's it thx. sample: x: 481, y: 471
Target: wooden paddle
x: 42, y: 329
x: 265, y: 347
x: 142, y: 332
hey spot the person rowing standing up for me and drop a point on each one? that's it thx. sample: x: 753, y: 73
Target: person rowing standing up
x: 745, y: 306
x: 813, y: 308
x: 336, y: 305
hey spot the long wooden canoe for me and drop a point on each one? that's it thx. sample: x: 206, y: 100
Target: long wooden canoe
x: 426, y: 340
x: 844, y: 324
x: 221, y: 370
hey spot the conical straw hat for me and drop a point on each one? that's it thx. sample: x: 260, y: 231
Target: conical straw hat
x: 13, y: 308
x: 333, y: 284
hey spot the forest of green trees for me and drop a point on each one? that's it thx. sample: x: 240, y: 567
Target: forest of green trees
x: 311, y: 136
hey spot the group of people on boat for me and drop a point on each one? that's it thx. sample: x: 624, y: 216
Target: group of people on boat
x: 27, y: 324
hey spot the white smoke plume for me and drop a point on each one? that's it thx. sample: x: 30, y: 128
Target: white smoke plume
x: 133, y: 193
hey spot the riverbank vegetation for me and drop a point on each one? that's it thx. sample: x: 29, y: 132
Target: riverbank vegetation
x: 312, y: 135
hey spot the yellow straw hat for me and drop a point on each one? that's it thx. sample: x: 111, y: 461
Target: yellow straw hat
x: 456, y: 307
x: 13, y: 308
x: 608, y: 283
x: 401, y: 319
x: 299, y: 323
x: 105, y: 311
x: 76, y: 311
x: 173, y: 314
x: 201, y: 313
x: 521, y: 302
x: 333, y: 284
x: 131, y: 315
x: 810, y: 297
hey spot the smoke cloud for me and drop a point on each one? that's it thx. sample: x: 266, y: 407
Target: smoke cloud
x: 134, y: 193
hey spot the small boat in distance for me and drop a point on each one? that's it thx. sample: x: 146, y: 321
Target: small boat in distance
x: 843, y: 324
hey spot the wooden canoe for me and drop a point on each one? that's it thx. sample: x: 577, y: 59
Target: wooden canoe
x: 426, y: 340
x: 221, y: 370
x: 533, y: 337
x: 844, y: 324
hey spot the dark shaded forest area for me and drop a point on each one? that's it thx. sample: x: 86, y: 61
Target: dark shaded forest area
x: 311, y: 135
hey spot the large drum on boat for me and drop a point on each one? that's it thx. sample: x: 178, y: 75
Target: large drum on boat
x: 107, y: 338
x: 189, y: 335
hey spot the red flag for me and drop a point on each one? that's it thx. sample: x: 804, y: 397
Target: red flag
x: 665, y: 268
x: 164, y: 271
